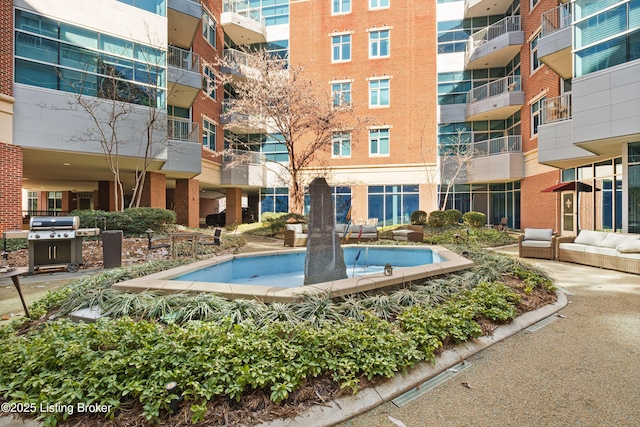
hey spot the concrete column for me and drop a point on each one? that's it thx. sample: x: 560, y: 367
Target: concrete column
x: 234, y: 206
x: 154, y: 193
x: 187, y: 202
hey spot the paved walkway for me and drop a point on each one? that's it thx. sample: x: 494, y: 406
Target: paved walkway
x: 583, y: 369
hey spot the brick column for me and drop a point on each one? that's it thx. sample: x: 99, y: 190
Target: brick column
x: 154, y: 193
x: 187, y: 202
x: 106, y: 200
x: 10, y: 187
x: 234, y: 206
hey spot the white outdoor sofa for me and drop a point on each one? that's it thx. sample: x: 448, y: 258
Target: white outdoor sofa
x: 369, y: 233
x: 295, y: 235
x: 614, y: 251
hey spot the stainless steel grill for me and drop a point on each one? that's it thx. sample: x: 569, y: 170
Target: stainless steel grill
x: 56, y: 242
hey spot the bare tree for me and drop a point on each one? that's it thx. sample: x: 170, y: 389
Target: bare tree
x: 455, y: 158
x: 281, y: 100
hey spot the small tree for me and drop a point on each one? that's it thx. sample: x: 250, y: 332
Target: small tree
x: 280, y: 99
x: 455, y: 157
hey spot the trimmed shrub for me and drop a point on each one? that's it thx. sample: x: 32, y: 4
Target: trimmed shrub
x: 437, y: 219
x: 277, y: 221
x: 132, y: 221
x: 418, y: 217
x: 474, y: 219
x: 453, y: 216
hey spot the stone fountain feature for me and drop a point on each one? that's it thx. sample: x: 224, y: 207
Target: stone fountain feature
x: 324, y: 261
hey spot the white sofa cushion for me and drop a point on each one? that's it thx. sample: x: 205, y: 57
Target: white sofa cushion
x: 613, y: 240
x: 598, y: 250
x: 297, y: 228
x: 634, y: 255
x: 536, y: 244
x: 591, y: 238
x: 543, y: 234
x: 369, y: 229
x: 629, y: 248
x: 572, y: 247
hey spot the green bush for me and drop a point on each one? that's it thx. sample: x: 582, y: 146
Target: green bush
x: 132, y: 221
x: 418, y: 217
x: 437, y: 219
x: 277, y: 221
x: 453, y: 216
x: 474, y: 219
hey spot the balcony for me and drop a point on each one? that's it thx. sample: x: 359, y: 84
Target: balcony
x: 475, y: 8
x: 239, y: 123
x: 497, y: 160
x: 554, y: 45
x: 494, y: 46
x: 183, y: 77
x: 182, y: 130
x: 243, y: 24
x: 184, y: 17
x: 495, y: 100
x: 247, y: 168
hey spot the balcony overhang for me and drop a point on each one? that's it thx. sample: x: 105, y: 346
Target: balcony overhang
x: 496, y: 107
x: 184, y: 17
x: 475, y: 8
x: 556, y: 147
x: 242, y: 29
x: 184, y: 86
x: 496, y: 52
x: 496, y: 168
x: 554, y: 50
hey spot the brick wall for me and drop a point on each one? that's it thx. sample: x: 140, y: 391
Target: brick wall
x: 187, y: 202
x: 106, y: 200
x: 234, y: 206
x: 6, y: 47
x: 10, y: 187
x: 154, y: 193
x: 540, y: 210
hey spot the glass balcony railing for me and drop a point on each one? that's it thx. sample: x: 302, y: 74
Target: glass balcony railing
x: 494, y: 88
x: 242, y: 8
x: 184, y: 59
x: 556, y: 19
x: 495, y: 146
x: 556, y: 109
x: 182, y: 130
x: 504, y: 26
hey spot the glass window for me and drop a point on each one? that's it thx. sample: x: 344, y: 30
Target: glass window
x: 379, y: 93
x: 341, y: 144
x: 535, y: 116
x: 79, y: 36
x: 208, y: 28
x: 341, y: 6
x: 209, y: 134
x: 379, y: 44
x: 36, y: 24
x: 601, y: 26
x: 378, y: 4
x: 54, y: 200
x: 379, y: 142
x: 209, y: 81
x: 341, y: 48
x: 535, y: 62
x: 393, y: 204
x: 341, y: 93
x: 35, y: 74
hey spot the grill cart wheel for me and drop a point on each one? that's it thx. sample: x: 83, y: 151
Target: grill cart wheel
x: 72, y: 268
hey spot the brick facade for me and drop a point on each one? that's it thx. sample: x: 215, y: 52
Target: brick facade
x: 537, y: 209
x: 234, y: 206
x: 10, y: 187
x: 6, y: 47
x: 187, y: 202
x: 106, y: 199
x: 154, y: 192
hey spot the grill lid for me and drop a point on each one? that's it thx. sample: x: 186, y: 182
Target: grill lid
x: 54, y: 222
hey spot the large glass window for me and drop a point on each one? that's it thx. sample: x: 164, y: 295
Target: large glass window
x: 208, y: 28
x: 341, y: 6
x: 634, y: 187
x: 379, y: 142
x: 209, y: 81
x: 54, y: 201
x: 274, y: 200
x: 379, y: 93
x: 379, y: 44
x: 154, y: 6
x: 209, y: 134
x: 535, y: 116
x: 275, y: 12
x: 341, y: 48
x: 393, y: 204
x: 341, y: 144
x: 341, y: 93
x: 533, y: 48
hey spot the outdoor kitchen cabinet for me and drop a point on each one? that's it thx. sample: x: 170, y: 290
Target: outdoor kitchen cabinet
x: 50, y: 253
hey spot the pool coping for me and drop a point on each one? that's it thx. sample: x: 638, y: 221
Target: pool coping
x: 162, y: 282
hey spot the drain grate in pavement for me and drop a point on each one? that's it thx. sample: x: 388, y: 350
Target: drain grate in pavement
x: 429, y: 384
x: 541, y: 324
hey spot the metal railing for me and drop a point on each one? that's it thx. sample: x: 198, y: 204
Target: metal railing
x: 494, y: 88
x: 501, y: 145
x: 244, y: 157
x: 236, y: 56
x: 506, y: 25
x: 184, y: 59
x: 556, y: 19
x: 556, y: 109
x: 182, y: 130
x: 242, y: 8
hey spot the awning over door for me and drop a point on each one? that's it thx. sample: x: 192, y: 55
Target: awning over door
x: 569, y: 186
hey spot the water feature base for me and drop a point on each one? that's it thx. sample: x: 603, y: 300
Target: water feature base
x: 278, y: 276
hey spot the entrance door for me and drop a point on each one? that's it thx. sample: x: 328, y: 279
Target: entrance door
x: 569, y: 213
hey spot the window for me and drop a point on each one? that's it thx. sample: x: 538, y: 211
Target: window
x: 341, y: 144
x: 379, y: 44
x: 379, y: 142
x: 209, y: 134
x: 208, y: 28
x: 534, y: 3
x: 54, y: 201
x: 379, y: 93
x: 392, y: 204
x: 535, y: 116
x: 535, y: 62
x: 209, y: 81
x: 341, y: 48
x: 378, y: 4
x: 341, y: 93
x: 274, y: 199
x: 32, y: 203
x: 341, y: 6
